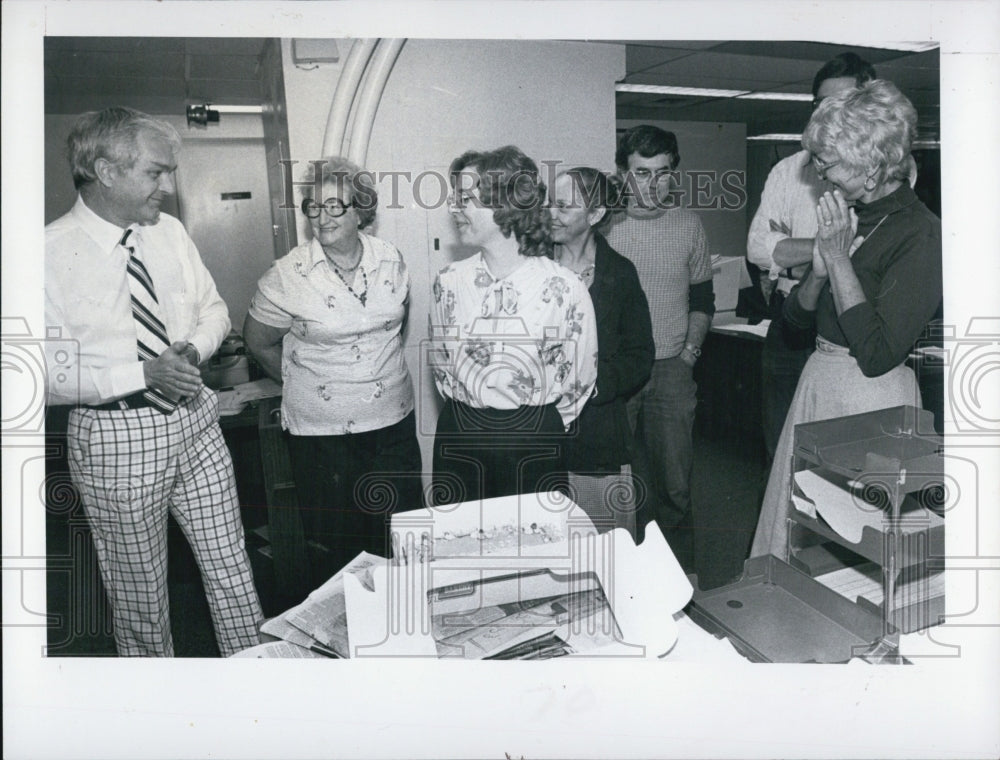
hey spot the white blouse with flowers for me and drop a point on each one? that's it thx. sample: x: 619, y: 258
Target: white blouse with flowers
x: 527, y: 340
x: 342, y: 362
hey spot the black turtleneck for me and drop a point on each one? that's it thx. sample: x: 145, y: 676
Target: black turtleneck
x: 899, y: 268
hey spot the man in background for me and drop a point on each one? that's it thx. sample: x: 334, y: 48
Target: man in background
x: 668, y: 246
x: 126, y: 284
x: 780, y: 243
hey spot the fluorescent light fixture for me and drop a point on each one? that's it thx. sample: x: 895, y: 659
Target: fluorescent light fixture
x: 803, y: 96
x: 777, y: 137
x: 706, y: 92
x: 691, y: 92
x: 237, y: 109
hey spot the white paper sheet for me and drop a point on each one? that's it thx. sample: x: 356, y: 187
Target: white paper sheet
x: 729, y: 274
x: 257, y: 389
x: 393, y: 619
x: 322, y: 617
x: 280, y: 628
x: 759, y: 329
x: 866, y: 581
x: 847, y: 515
x: 695, y: 644
x: 804, y: 505
x: 646, y: 587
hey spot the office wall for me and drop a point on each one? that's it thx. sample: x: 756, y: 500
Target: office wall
x: 555, y: 100
x: 309, y: 92
x: 716, y: 147
x: 59, y: 192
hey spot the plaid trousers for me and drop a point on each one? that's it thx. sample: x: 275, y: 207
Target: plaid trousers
x: 131, y: 467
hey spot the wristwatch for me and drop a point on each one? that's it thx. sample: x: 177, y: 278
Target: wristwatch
x: 692, y: 349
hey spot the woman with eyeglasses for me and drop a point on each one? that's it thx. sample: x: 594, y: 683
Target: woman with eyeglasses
x: 326, y: 322
x: 514, y: 343
x: 601, y: 445
x: 874, y: 282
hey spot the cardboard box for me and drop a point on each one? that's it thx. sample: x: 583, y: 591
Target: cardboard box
x: 600, y: 593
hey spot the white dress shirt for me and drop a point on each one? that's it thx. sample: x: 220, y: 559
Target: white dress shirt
x: 787, y: 210
x: 94, y: 359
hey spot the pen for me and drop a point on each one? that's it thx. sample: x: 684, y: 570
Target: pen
x: 324, y: 651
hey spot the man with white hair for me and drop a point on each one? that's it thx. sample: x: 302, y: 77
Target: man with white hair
x: 126, y: 284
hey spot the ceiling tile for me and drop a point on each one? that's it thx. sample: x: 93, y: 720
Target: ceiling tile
x: 640, y: 57
x: 817, y: 53
x: 677, y: 44
x: 707, y: 79
x: 741, y: 66
x: 930, y: 59
x: 910, y: 78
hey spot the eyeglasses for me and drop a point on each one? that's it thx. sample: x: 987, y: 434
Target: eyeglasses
x: 459, y: 199
x: 646, y: 175
x: 823, y: 166
x: 334, y: 207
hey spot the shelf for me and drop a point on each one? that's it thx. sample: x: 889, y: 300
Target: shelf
x: 892, y: 446
x: 918, y: 543
x: 895, y: 450
x: 775, y: 613
x: 919, y: 600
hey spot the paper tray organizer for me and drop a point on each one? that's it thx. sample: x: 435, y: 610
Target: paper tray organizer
x: 775, y: 613
x: 896, y: 450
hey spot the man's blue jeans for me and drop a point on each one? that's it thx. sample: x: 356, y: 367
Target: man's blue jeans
x: 662, y: 414
x: 783, y: 358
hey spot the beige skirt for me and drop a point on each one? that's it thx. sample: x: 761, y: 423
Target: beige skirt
x: 832, y: 385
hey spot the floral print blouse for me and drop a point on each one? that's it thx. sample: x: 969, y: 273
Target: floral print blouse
x: 342, y: 362
x: 526, y: 340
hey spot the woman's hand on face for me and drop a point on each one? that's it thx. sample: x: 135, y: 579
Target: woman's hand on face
x: 835, y: 236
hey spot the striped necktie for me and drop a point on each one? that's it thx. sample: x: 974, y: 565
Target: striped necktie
x: 150, y: 332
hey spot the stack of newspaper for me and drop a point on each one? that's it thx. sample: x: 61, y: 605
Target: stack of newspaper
x: 318, y: 626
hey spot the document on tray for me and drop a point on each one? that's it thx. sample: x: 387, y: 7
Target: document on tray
x: 843, y: 512
x: 846, y: 511
x: 865, y: 580
x: 531, y: 614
